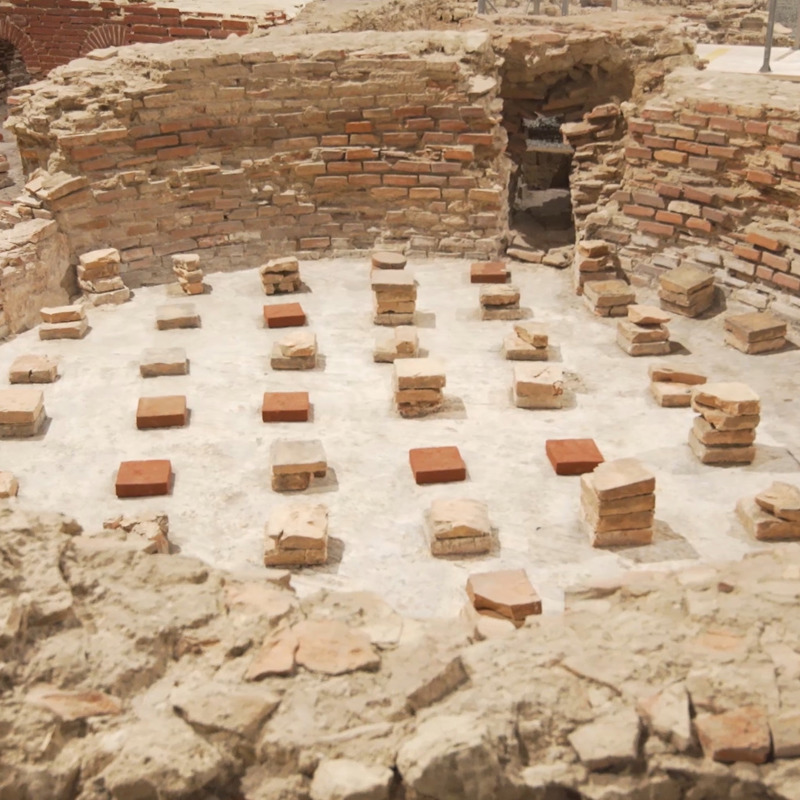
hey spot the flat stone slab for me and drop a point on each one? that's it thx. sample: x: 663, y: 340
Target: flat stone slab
x: 684, y: 374
x: 177, y: 315
x: 284, y: 315
x: 161, y: 412
x: 738, y: 735
x: 64, y: 330
x: 756, y: 347
x: 756, y: 326
x: 298, y: 344
x: 782, y: 500
x: 671, y: 395
x: 685, y: 280
x: 299, y: 527
x: 730, y: 397
x: 20, y: 406
x: 155, y: 362
x: 573, y: 456
x: 63, y: 313
x: 393, y: 281
x: 32, y: 369
x: 624, y: 477
x: 489, y: 272
x: 9, y: 486
x: 538, y: 385
x: 285, y: 407
x: 385, y: 259
x: 516, y: 349
x: 508, y: 593
x: 437, y: 465
x: 611, y: 741
x: 764, y: 525
x: 647, y: 315
x: 608, y: 293
x: 721, y: 455
x: 419, y: 373
x: 290, y: 457
x: 452, y: 519
x: 499, y: 295
x: 143, y: 478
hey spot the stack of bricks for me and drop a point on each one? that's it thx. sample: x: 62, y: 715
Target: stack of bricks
x: 186, y: 267
x: 295, y: 463
x: 500, y: 302
x: 686, y: 290
x: 618, y: 503
x: 458, y: 528
x: 608, y: 298
x: 538, y: 386
x: 281, y: 275
x: 527, y: 342
x: 98, y: 277
x: 773, y: 514
x: 395, y: 297
x: 593, y: 262
x: 755, y: 332
x: 32, y: 369
x: 418, y: 384
x: 22, y: 413
x: 297, y: 536
x: 402, y: 342
x: 725, y: 431
x: 295, y: 350
x: 672, y: 388
x: 63, y: 322
x: 645, y: 332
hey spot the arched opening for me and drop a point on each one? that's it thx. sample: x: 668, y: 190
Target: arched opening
x: 13, y: 73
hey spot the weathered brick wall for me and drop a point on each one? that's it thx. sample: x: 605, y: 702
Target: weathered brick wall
x: 243, y: 152
x: 49, y: 33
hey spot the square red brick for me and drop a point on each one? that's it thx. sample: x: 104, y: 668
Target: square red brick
x: 285, y: 407
x: 284, y: 315
x: 488, y: 272
x: 143, y: 478
x: 161, y: 412
x: 573, y: 456
x: 437, y: 465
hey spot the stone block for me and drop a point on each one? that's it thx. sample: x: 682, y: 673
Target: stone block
x: 115, y: 297
x: 782, y: 500
x: 161, y: 412
x: 785, y: 729
x: 295, y: 462
x: 686, y: 280
x: 297, y: 536
x: 754, y: 348
x: 419, y: 373
x: 385, y: 259
x: 755, y: 327
x: 396, y: 285
x: 739, y: 735
x: 641, y: 334
x: 143, y: 478
x: 285, y: 407
x: 647, y: 315
x: 763, y: 525
x: 731, y: 398
x: 605, y: 294
x: 155, y: 362
x: 9, y: 487
x: 279, y: 361
x: 494, y: 296
x: 707, y: 434
x: 532, y: 333
x: 624, y: 477
x: 671, y: 395
x: 573, y: 456
x: 63, y: 313
x: 393, y: 319
x: 501, y: 313
x: 20, y: 406
x: 64, y: 330
x: 96, y: 264
x: 32, y: 369
x: 284, y: 315
x: 177, y: 315
x: 517, y: 349
x: 437, y: 465
x: 508, y: 593
x: 661, y: 348
x: 456, y: 519
x: 489, y: 272
x: 538, y: 386
x: 721, y: 455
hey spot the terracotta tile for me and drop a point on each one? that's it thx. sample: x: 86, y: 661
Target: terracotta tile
x: 284, y: 315
x: 437, y: 465
x: 506, y: 592
x: 285, y: 407
x: 573, y: 456
x: 488, y: 272
x: 161, y: 412
x: 143, y: 478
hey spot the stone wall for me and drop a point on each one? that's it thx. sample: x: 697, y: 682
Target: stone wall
x: 246, y: 151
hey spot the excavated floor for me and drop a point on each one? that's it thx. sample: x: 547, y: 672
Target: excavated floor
x: 222, y: 498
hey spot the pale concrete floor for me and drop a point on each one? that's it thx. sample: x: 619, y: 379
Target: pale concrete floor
x: 739, y: 58
x: 222, y: 496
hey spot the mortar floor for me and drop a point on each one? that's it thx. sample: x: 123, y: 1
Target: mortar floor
x: 222, y: 497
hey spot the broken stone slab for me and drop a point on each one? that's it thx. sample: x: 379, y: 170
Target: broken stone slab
x: 506, y: 592
x: 63, y: 313
x: 501, y: 313
x: 115, y: 297
x: 102, y: 285
x: 419, y: 373
x: 279, y: 361
x: 625, y: 477
x: 627, y: 537
x: 721, y: 455
x: 177, y: 315
x: 754, y: 348
x: 485, y: 624
x: 345, y: 779
x: 73, y: 705
x: 755, y: 327
x: 298, y: 344
x: 158, y: 361
x: 333, y: 648
x: 9, y: 486
x: 671, y: 395
x: 150, y: 530
x: 722, y: 421
x: 594, y: 248
x: 610, y: 742
x: 785, y: 730
x: 683, y: 374
x: 647, y: 315
x: 64, y: 330
x: 667, y: 713
x: 32, y: 369
x: 538, y: 386
x: 299, y: 527
x: 707, y: 434
x: 517, y: 349
x: 641, y: 334
x: 732, y: 398
x: 294, y: 463
x: 99, y: 264
x: 603, y: 294
x: 764, y: 525
x: 275, y: 556
x: 782, y: 500
x: 275, y: 657
x: 458, y: 527
x: 739, y: 735
x: 532, y: 333
x: 403, y: 342
x: 644, y: 349
x: 611, y: 508
x: 504, y: 295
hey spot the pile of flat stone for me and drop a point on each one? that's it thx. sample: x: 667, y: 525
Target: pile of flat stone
x: 527, y: 342
x: 295, y: 350
x: 22, y: 412
x: 505, y: 595
x: 538, y: 386
x: 499, y: 301
x: 756, y: 332
x: 98, y: 277
x: 395, y: 297
x: 772, y: 514
x: 618, y: 503
x: 672, y: 387
x: 593, y: 262
x: 686, y: 290
x: 402, y: 342
x: 644, y: 332
x: 418, y: 384
x: 297, y: 536
x: 295, y: 463
x: 458, y: 528
x: 725, y: 431
x: 32, y: 369
x: 281, y: 275
x: 63, y: 322
x: 186, y: 267
x: 608, y: 298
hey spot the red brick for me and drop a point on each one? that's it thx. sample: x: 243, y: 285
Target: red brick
x: 697, y: 195
x: 762, y: 177
x: 343, y: 167
x: 692, y: 147
x: 638, y: 152
x: 156, y: 142
x: 400, y: 139
x: 776, y: 262
x: 703, y: 164
x: 358, y: 127
x: 365, y: 139
x: 695, y: 120
x: 425, y: 193
x: 723, y: 152
x: 764, y: 273
x: 697, y: 224
x: 790, y: 282
x: 458, y: 154
x: 376, y: 166
x: 668, y: 190
x: 658, y: 141
x: 284, y: 315
x: 183, y: 151
x: 161, y: 412
x: 656, y: 228
x: 476, y: 139
x: 453, y: 125
x: 408, y: 111
x: 739, y: 735
x: 363, y: 179
x: 330, y: 182
x: 488, y: 272
x: 756, y: 128
x: 437, y: 465
x: 337, y: 140
x: 790, y: 151
x: 658, y: 114
x: 412, y: 166
x: 638, y: 211
x: 716, y: 216
x: 420, y: 124
x: 285, y: 407
x: 640, y: 126
x: 310, y: 243
x: 143, y: 478
x: 573, y: 456
x: 670, y: 156
x: 748, y: 253
x: 436, y: 137
x: 784, y: 134
x: 709, y: 107
x: 726, y: 124
x: 670, y: 217
x: 762, y: 240
x: 712, y: 137
x: 400, y: 180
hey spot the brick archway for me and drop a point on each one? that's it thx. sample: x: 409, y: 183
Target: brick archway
x: 10, y: 32
x: 106, y: 36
